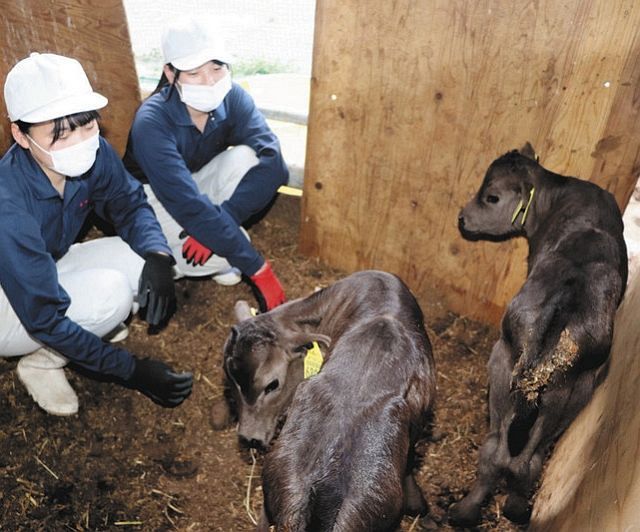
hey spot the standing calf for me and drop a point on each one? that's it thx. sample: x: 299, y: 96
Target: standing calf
x: 556, y: 331
x: 343, y: 459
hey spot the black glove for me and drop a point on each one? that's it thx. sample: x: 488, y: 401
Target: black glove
x: 159, y: 382
x: 156, y: 291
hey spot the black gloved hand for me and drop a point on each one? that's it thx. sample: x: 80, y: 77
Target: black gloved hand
x: 159, y: 382
x: 156, y: 290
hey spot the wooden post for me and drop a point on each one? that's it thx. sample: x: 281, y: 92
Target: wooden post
x: 592, y: 481
x: 94, y: 32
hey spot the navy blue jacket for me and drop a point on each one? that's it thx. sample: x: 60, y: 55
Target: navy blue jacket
x: 165, y: 148
x: 37, y: 227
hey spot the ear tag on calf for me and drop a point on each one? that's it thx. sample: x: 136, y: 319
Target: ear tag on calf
x: 313, y: 361
x: 254, y: 311
x: 521, y: 206
x: 517, y: 211
x: 526, y: 210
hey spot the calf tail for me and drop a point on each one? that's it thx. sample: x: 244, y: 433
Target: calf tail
x: 529, y: 383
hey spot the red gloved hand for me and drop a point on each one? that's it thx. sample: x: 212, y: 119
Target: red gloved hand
x: 267, y: 288
x: 195, y: 252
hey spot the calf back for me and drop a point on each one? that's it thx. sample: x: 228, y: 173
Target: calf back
x: 342, y: 455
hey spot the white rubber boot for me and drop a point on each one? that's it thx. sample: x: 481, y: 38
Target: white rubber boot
x: 228, y: 277
x: 42, y: 374
x: 118, y: 334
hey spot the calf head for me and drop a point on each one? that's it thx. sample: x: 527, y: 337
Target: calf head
x: 263, y: 359
x: 500, y: 208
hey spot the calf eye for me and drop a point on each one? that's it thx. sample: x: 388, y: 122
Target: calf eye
x: 272, y: 386
x: 492, y: 199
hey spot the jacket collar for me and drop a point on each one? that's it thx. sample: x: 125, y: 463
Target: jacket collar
x: 35, y: 176
x: 38, y: 181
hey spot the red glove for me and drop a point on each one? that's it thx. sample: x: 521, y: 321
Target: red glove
x: 267, y: 288
x: 195, y: 252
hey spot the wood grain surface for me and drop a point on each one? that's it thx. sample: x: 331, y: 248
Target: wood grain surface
x: 410, y: 103
x: 95, y: 33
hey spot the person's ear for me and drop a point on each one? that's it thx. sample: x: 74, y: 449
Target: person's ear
x: 19, y: 136
x: 169, y: 73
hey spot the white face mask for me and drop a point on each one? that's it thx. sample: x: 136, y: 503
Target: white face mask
x: 205, y: 98
x: 74, y: 160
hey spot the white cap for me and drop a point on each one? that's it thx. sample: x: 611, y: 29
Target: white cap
x: 47, y: 86
x: 188, y: 44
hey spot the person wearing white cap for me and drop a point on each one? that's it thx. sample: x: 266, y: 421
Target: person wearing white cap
x: 209, y: 162
x: 59, y: 299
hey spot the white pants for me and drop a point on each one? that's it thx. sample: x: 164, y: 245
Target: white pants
x: 218, y: 180
x: 101, y: 278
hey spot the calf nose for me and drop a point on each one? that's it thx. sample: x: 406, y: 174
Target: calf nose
x: 251, y: 443
x: 461, y: 221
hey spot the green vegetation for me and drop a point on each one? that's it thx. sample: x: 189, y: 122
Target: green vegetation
x: 250, y: 67
x: 149, y: 67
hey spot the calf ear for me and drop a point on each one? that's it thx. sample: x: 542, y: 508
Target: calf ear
x: 296, y: 341
x: 320, y: 338
x: 242, y: 311
x: 528, y: 151
x: 229, y: 343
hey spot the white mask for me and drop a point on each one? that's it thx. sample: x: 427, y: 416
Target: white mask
x: 74, y: 160
x: 205, y: 98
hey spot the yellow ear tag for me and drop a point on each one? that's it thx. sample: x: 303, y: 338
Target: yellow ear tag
x: 313, y: 361
x: 254, y: 311
x: 517, y: 211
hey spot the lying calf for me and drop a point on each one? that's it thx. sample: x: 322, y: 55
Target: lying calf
x: 556, y: 331
x: 343, y: 459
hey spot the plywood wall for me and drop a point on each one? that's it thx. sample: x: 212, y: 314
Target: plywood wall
x: 592, y: 481
x: 412, y: 100
x: 92, y: 31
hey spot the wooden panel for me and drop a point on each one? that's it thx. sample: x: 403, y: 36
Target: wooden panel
x: 412, y: 100
x: 592, y: 481
x: 95, y: 33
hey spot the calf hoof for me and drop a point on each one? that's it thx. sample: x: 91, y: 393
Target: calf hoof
x: 426, y: 523
x: 517, y: 509
x: 414, y: 501
x: 464, y: 514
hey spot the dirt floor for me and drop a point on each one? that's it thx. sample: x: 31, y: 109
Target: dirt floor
x: 124, y: 463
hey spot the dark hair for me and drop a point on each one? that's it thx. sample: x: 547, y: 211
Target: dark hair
x: 62, y: 123
x: 163, y: 81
